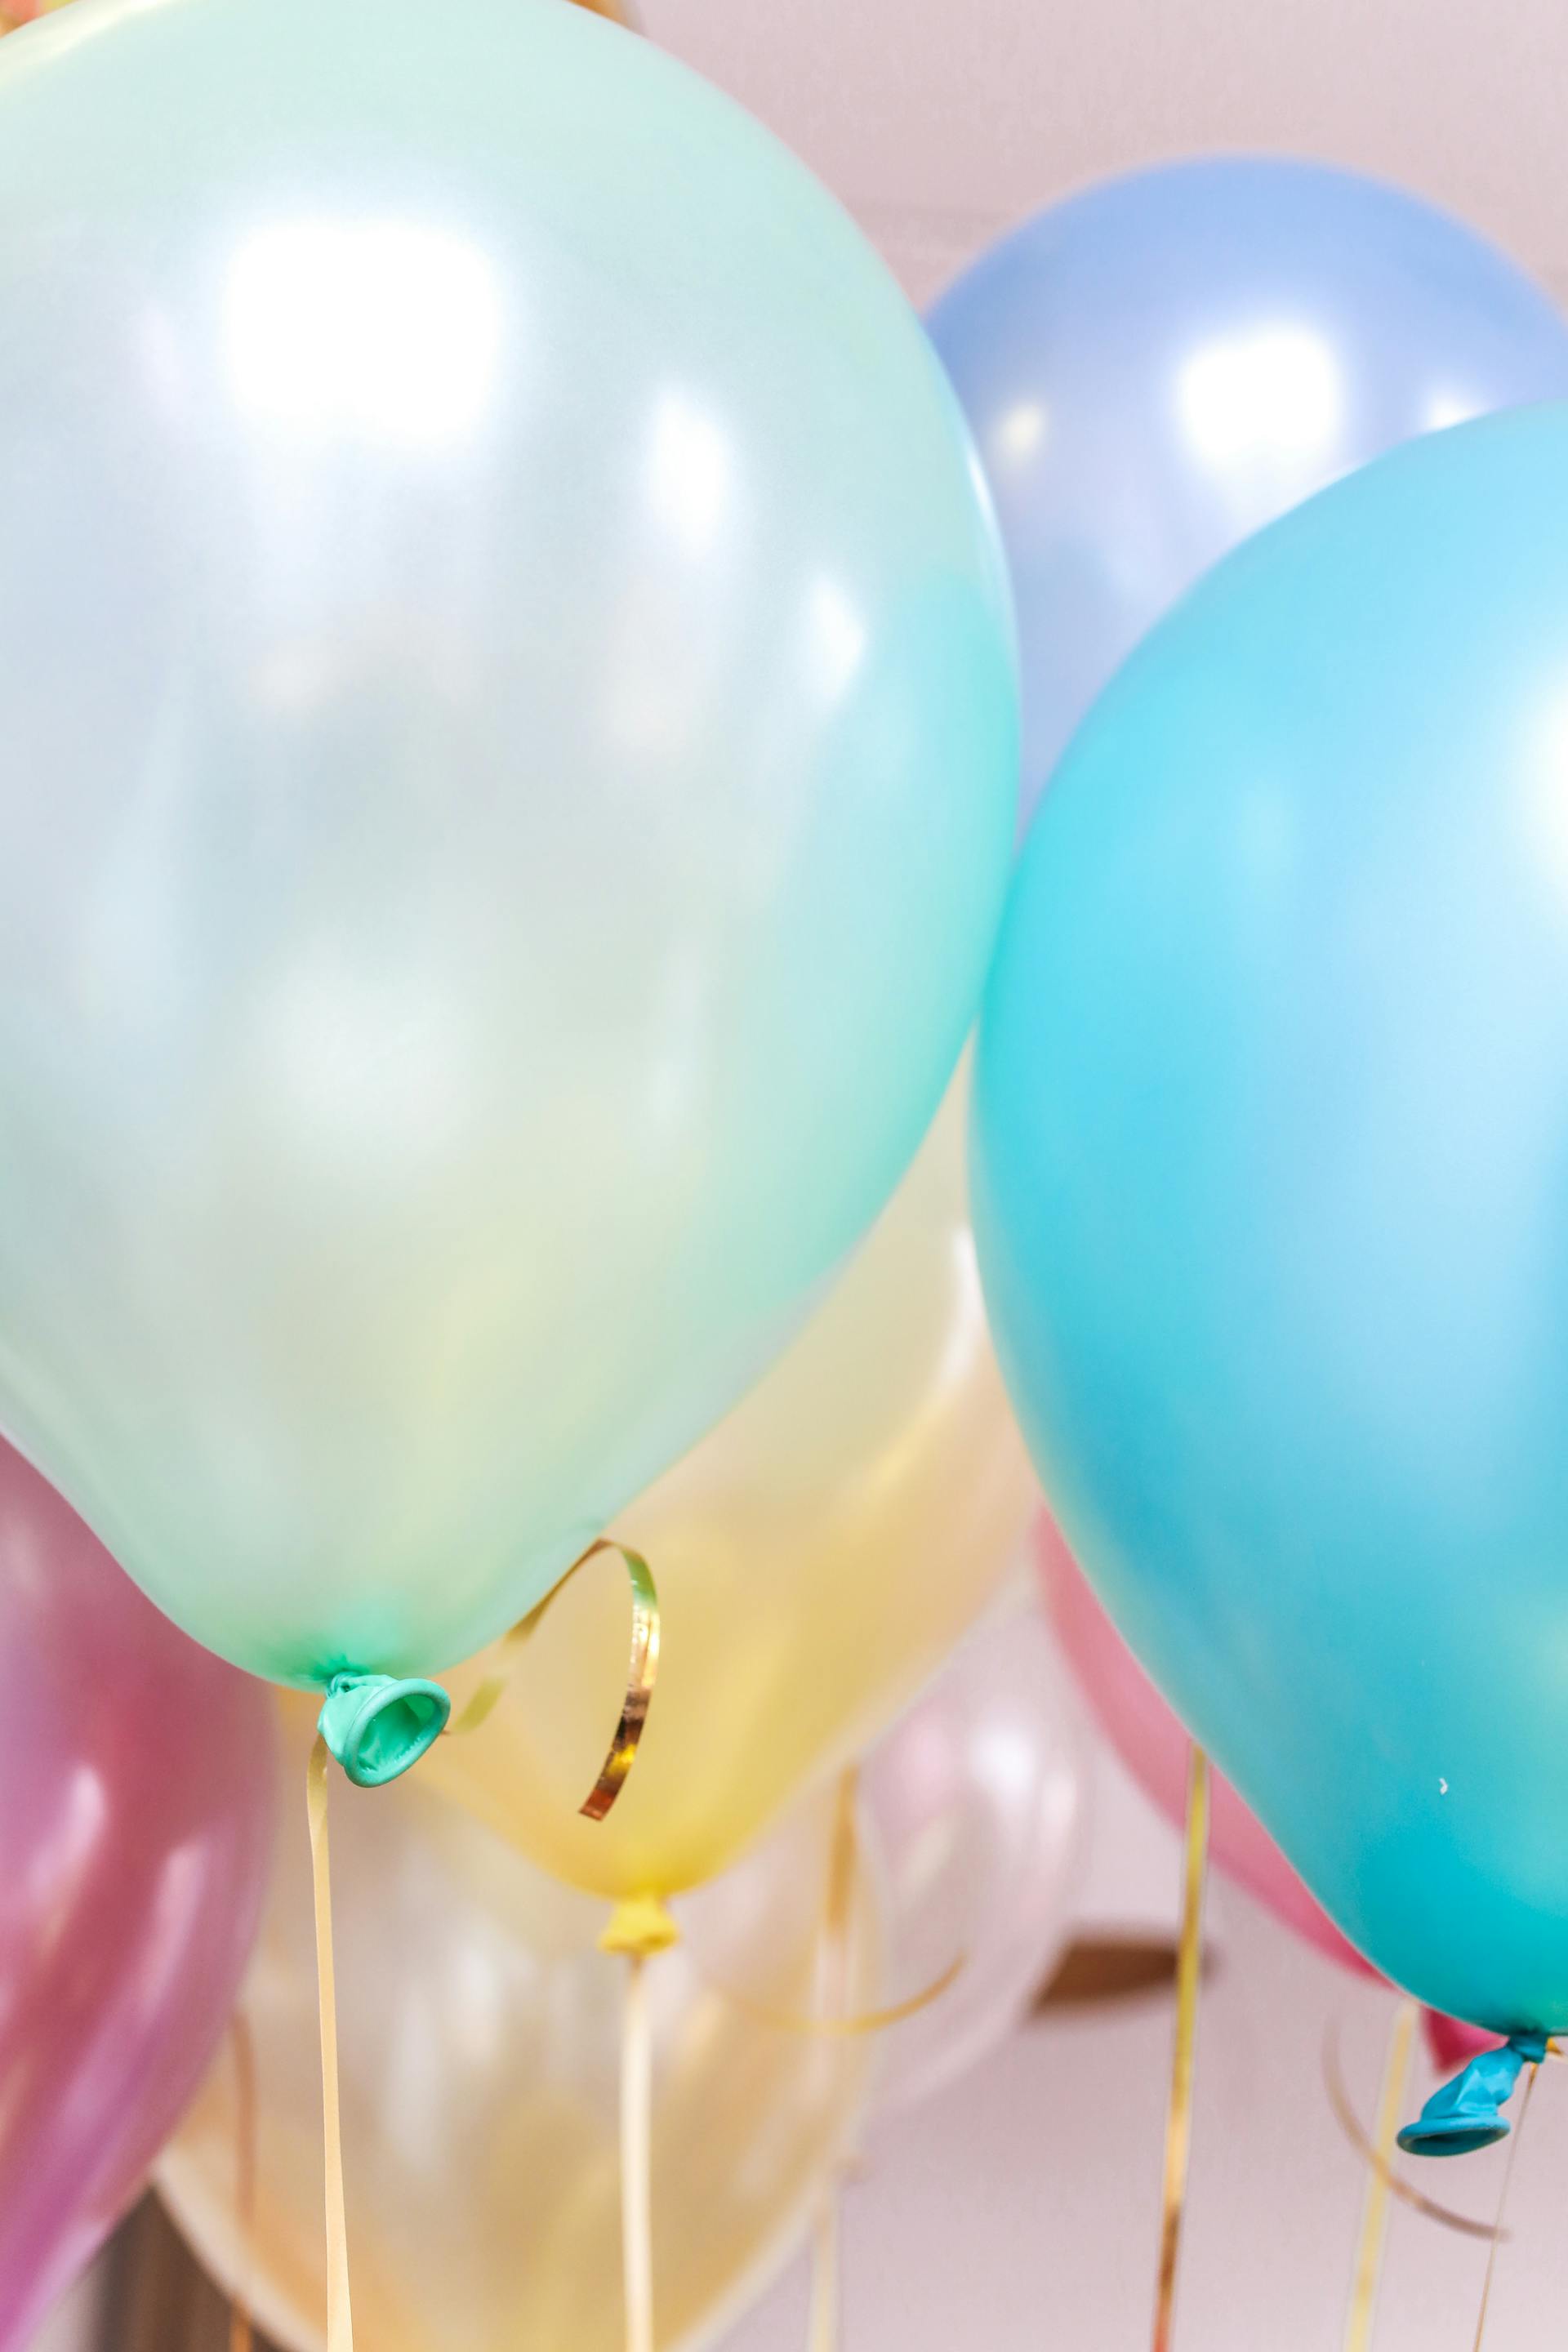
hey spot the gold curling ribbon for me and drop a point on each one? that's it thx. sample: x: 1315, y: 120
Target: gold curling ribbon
x: 240, y: 2333
x: 1368, y: 2269
x: 1394, y: 2181
x: 1503, y: 2205
x: 641, y: 1677
x: 638, y: 1928
x: 1179, y: 2114
x: 340, y: 2317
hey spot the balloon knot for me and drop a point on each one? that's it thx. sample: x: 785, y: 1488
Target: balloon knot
x: 638, y: 1925
x: 1466, y: 2113
x: 378, y: 1725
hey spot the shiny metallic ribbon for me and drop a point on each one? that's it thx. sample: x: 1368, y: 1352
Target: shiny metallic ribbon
x: 1362, y: 2309
x: 641, y: 1677
x: 1179, y: 2114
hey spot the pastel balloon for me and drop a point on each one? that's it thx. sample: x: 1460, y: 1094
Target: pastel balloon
x: 134, y: 1846
x: 510, y: 752
x: 974, y: 1823
x: 479, y: 2033
x: 1157, y: 1750
x: 1159, y: 365
x: 1272, y: 1119
x: 817, y: 1556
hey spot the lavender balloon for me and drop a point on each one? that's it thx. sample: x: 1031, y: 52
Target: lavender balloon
x: 1160, y: 365
x: 134, y: 1835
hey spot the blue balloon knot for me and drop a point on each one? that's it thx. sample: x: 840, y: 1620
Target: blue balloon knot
x: 1466, y: 2113
x: 378, y: 1725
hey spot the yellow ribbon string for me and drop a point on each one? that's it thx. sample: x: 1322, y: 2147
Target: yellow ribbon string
x: 1517, y: 2136
x: 1394, y: 2182
x: 240, y: 2333
x: 1179, y: 2114
x: 866, y: 2021
x: 836, y: 1964
x: 340, y: 2318
x: 826, y: 2306
x: 1368, y: 2269
x: 831, y: 2021
x: 637, y: 2155
x: 641, y: 1677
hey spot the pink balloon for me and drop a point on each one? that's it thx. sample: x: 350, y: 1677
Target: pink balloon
x: 135, y: 1830
x: 1155, y: 1747
x: 1452, y: 2043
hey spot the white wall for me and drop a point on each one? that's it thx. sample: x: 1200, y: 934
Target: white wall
x: 938, y: 120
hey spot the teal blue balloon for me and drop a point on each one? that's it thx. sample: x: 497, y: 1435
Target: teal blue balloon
x: 508, y: 760
x: 1271, y: 1192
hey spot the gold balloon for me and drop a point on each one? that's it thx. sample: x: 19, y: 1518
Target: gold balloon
x: 479, y: 2036
x: 815, y: 1557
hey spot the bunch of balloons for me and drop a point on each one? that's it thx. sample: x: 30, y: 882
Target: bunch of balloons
x: 510, y: 696
x: 1272, y: 1076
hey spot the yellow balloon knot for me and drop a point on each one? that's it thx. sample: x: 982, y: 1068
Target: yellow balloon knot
x: 640, y: 1925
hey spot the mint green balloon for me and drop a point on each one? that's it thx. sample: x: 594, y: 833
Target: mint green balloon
x: 508, y: 757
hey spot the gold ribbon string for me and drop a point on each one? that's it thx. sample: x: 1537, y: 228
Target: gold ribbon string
x: 826, y: 2296
x: 836, y: 1964
x: 641, y: 1677
x: 1517, y: 2136
x: 240, y: 2333
x: 1368, y: 2269
x: 340, y: 2317
x: 1179, y: 2114
x: 866, y: 2021
x: 637, y: 2155
x: 1394, y: 2182
x: 830, y: 2022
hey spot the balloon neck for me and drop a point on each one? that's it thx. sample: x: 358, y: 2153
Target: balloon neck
x: 1466, y: 2113
x: 378, y: 1725
x: 640, y: 1925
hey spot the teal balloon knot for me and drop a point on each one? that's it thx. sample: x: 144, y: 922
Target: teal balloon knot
x: 378, y: 1725
x: 1466, y: 2113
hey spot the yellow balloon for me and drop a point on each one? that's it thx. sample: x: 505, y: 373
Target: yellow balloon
x: 815, y: 1557
x: 479, y: 2031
